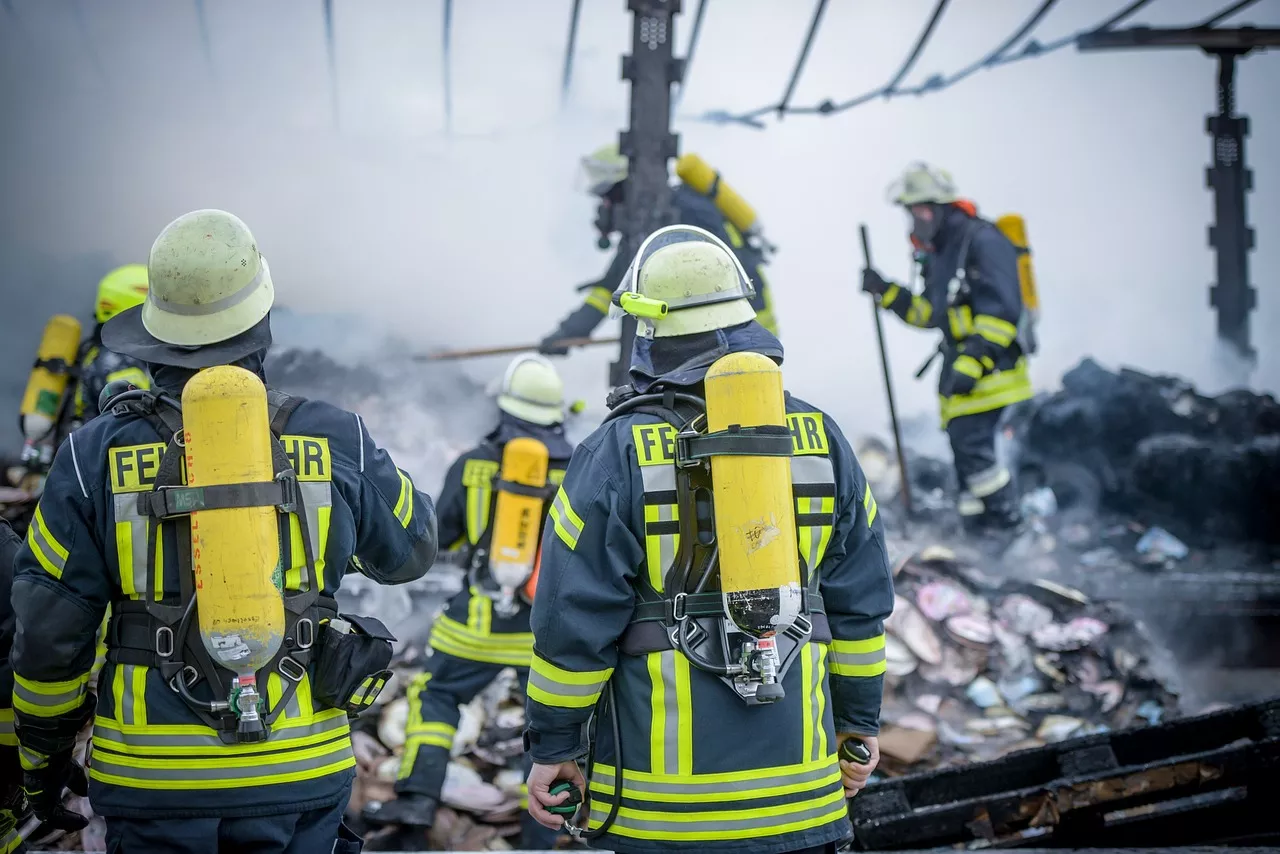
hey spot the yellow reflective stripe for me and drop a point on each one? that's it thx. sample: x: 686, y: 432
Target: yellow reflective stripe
x: 671, y: 729
x: 920, y: 312
x: 297, y: 555
x: 600, y: 299
x: 869, y: 505
x: 124, y: 550
x: 477, y: 477
x: 204, y: 773
x: 806, y: 702
x: 712, y: 825
x: 513, y: 640
x: 559, y: 688
x: 479, y: 613
x: 658, y: 715
x: 968, y: 366
x: 169, y: 740
x: 157, y: 589
x: 7, y: 736
x: 506, y: 657
x: 890, y: 296
x: 48, y: 699
x: 436, y: 728
x: 48, y: 551
x: 11, y: 841
x: 961, y: 320
x: 994, y: 329
x: 432, y: 740
x: 404, y: 505
x: 684, y: 720
x: 725, y: 786
x: 859, y: 658
x: 820, y: 691
x: 567, y: 523
x: 993, y: 391
x: 136, y: 376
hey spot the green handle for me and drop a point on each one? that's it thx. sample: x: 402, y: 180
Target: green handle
x: 570, y: 806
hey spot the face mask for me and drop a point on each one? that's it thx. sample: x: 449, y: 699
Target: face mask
x: 925, y: 230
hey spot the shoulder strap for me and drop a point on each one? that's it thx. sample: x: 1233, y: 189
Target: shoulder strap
x: 279, y: 407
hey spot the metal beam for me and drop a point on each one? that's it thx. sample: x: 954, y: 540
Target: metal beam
x: 567, y: 76
x: 1238, y: 39
x: 648, y: 142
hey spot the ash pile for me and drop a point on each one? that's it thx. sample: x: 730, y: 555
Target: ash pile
x: 980, y: 666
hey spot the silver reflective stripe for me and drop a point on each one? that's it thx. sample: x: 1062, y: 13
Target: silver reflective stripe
x: 240, y: 775
x: 31, y: 698
x: 986, y: 482
x: 692, y: 786
x: 658, y: 478
x: 967, y: 505
x: 546, y: 683
x: 857, y: 659
x: 206, y: 308
x: 660, y: 548
x: 281, y: 737
x: 814, y: 540
x: 315, y: 494
x: 29, y: 758
x: 126, y: 507
x: 817, y: 703
x: 6, y: 726
x: 775, y: 817
x: 36, y: 530
x: 566, y: 516
x: 812, y: 468
x: 671, y: 716
x: 128, y: 702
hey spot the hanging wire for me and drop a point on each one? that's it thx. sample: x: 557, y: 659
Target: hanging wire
x: 803, y: 57
x: 1226, y: 13
x: 567, y: 77
x: 999, y: 57
x: 205, y: 43
x: 938, y: 81
x: 448, y: 83
x: 689, y: 52
x: 330, y: 48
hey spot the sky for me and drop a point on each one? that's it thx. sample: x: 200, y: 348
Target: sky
x: 473, y: 230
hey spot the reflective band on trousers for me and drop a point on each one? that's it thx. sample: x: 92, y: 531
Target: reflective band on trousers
x: 689, y: 808
x: 994, y: 391
x: 988, y: 481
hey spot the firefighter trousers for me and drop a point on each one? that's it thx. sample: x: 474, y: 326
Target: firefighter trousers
x: 316, y: 831
x: 988, y: 495
x: 454, y: 682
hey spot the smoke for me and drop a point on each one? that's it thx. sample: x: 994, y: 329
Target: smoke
x: 476, y: 235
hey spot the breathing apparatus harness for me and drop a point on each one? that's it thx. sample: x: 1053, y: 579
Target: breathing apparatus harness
x: 689, y: 616
x: 154, y: 634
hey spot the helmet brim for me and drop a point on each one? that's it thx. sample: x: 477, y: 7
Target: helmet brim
x: 535, y: 413
x: 126, y: 334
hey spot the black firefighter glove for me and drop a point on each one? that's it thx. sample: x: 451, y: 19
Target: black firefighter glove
x: 44, y: 787
x: 550, y: 346
x: 408, y: 810
x: 875, y: 284
x: 971, y: 365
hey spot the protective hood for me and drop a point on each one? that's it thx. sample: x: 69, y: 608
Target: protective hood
x: 684, y: 360
x: 510, y: 427
x: 172, y: 379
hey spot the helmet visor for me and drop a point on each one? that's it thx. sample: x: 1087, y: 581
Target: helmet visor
x: 673, y: 235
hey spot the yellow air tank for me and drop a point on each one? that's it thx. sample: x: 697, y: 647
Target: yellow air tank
x: 754, y: 508
x: 235, y: 551
x: 517, y: 517
x: 1015, y: 228
x: 47, y: 384
x: 695, y: 172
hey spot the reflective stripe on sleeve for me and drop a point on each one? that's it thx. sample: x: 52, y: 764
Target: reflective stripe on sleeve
x: 994, y: 329
x: 48, y: 699
x: 869, y: 505
x: 860, y: 658
x: 599, y: 298
x: 456, y: 639
x: 404, y: 505
x: 920, y: 312
x: 567, y: 523
x: 558, y: 688
x: 48, y: 551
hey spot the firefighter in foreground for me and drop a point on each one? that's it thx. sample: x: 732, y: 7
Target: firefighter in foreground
x: 491, y: 509
x: 12, y: 801
x: 714, y: 584
x: 63, y: 362
x: 216, y: 519
x: 972, y: 293
x: 700, y: 198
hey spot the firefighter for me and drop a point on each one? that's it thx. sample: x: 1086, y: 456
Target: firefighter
x: 629, y: 621
x: 12, y: 802
x: 121, y: 289
x: 972, y: 294
x: 187, y: 758
x: 478, y: 634
x: 606, y: 171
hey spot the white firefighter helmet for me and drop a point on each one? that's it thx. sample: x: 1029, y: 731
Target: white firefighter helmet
x: 531, y: 390
x: 603, y: 168
x: 684, y: 280
x: 208, y: 281
x: 923, y: 184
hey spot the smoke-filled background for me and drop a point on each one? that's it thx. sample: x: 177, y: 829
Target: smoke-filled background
x: 119, y: 115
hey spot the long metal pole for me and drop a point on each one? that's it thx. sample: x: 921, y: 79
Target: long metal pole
x: 888, y: 383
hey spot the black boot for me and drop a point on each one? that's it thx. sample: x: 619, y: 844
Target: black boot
x: 408, y: 810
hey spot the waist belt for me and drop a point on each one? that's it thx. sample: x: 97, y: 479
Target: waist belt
x: 133, y: 635
x: 651, y: 622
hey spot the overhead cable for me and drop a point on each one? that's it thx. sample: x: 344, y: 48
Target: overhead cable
x: 689, y: 52
x: 1226, y: 13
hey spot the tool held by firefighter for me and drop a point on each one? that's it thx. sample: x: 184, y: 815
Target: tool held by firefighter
x: 888, y: 379
x: 755, y: 521
x: 480, y: 352
x: 46, y: 390
x: 236, y: 551
x: 517, y: 519
x: 853, y: 750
